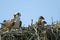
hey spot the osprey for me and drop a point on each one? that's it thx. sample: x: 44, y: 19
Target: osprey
x: 13, y: 23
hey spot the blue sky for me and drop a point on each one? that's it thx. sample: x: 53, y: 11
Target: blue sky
x: 30, y: 9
